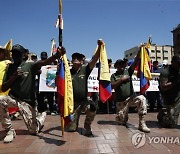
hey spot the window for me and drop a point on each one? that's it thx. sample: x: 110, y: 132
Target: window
x: 158, y: 51
x: 130, y: 54
x: 165, y: 58
x: 158, y: 57
x: 153, y: 51
x: 165, y: 51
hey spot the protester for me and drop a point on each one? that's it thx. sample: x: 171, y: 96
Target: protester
x: 170, y: 90
x: 34, y: 57
x: 82, y: 102
x: 121, y: 82
x: 126, y: 62
x: 164, y: 63
x: 43, y: 96
x: 20, y: 78
x: 25, y: 55
x: 154, y: 96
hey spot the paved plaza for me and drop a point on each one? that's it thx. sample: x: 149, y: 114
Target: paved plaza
x: 109, y: 138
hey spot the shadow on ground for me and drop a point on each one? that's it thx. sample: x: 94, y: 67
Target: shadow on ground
x: 103, y: 122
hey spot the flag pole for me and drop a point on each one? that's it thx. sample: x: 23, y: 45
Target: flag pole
x: 60, y: 44
x: 60, y: 22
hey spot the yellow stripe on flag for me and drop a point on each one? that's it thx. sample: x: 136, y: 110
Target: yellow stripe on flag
x: 68, y: 96
x: 105, y: 75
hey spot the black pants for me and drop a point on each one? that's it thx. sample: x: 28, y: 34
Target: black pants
x: 154, y: 97
x: 42, y: 105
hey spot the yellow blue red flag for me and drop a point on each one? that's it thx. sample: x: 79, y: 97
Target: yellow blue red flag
x: 144, y: 67
x: 65, y: 91
x: 104, y: 76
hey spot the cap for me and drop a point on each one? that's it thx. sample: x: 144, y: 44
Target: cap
x: 176, y: 58
x: 77, y: 55
x: 33, y: 54
x: 18, y: 47
x: 119, y: 61
x: 165, y: 62
x: 43, y: 53
x: 109, y: 61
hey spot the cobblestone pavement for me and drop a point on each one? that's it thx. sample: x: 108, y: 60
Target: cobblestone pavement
x: 109, y: 137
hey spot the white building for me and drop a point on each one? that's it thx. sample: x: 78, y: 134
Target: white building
x: 157, y: 53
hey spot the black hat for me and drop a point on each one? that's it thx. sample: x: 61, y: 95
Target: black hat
x: 77, y: 55
x: 43, y: 53
x: 34, y: 55
x: 119, y: 61
x: 109, y: 61
x: 19, y: 48
x: 176, y: 58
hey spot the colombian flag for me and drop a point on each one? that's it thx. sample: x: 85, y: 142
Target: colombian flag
x: 65, y: 91
x: 104, y: 76
x: 144, y: 67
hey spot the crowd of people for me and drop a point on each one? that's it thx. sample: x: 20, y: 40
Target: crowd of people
x: 19, y: 81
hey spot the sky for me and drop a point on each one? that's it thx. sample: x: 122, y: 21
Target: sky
x: 122, y: 24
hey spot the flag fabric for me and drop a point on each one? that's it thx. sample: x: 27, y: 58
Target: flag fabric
x: 144, y: 67
x: 53, y: 47
x: 104, y: 76
x: 8, y: 46
x: 59, y: 21
x: 65, y: 91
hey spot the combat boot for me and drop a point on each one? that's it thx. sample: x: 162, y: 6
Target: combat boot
x: 142, y: 125
x: 88, y: 130
x: 88, y: 121
x: 72, y: 127
x: 11, y: 134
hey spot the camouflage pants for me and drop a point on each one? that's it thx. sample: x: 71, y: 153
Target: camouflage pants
x: 169, y: 118
x: 122, y: 108
x: 78, y: 109
x: 32, y: 119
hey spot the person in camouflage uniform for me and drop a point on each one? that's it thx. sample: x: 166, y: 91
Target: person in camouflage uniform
x: 82, y: 102
x: 19, y: 77
x: 170, y: 90
x: 121, y: 82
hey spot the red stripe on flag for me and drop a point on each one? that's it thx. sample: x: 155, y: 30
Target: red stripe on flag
x: 104, y: 90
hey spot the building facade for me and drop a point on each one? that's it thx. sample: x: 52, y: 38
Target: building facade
x: 157, y: 53
x: 176, y: 39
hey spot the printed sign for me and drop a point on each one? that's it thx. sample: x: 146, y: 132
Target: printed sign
x: 47, y: 80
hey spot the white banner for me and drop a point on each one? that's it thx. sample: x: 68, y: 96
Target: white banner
x: 47, y: 80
